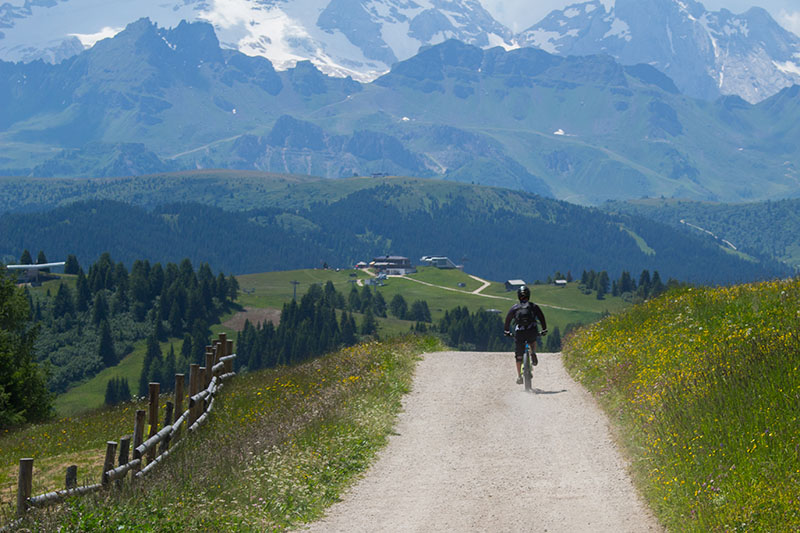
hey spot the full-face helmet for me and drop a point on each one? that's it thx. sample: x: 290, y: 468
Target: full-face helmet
x: 523, y: 293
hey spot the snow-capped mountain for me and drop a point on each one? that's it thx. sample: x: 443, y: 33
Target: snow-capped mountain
x: 360, y: 38
x: 706, y: 53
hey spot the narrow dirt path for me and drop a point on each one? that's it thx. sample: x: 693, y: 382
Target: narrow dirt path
x: 475, y: 452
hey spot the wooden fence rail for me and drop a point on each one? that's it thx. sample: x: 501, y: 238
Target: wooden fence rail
x: 146, y: 453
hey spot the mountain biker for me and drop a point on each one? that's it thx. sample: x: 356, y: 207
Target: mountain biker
x: 525, y: 314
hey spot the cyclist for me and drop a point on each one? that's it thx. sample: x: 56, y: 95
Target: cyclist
x: 525, y: 314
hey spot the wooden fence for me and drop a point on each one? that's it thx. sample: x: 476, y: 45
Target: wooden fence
x: 204, y: 382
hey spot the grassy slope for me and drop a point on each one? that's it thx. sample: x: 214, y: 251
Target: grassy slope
x: 705, y: 383
x: 280, y: 446
x: 561, y: 306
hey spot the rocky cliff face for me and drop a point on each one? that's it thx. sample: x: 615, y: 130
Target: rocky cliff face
x: 706, y: 53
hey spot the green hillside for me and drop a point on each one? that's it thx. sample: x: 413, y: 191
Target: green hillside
x: 271, y: 290
x: 706, y: 385
x: 267, y: 222
x: 759, y: 229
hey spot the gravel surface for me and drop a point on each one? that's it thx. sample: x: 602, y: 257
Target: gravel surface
x: 475, y: 452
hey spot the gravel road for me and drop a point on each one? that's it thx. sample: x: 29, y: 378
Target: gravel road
x: 475, y: 452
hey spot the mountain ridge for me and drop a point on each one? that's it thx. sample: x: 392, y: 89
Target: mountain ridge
x: 584, y: 128
x: 708, y: 53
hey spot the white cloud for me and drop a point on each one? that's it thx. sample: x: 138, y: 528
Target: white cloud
x: 790, y: 20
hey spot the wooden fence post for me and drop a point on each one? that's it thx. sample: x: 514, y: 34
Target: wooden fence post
x: 124, y: 452
x: 153, y: 417
x: 223, y: 341
x: 108, y: 462
x: 209, y: 367
x: 72, y: 477
x: 194, y: 388
x: 24, y: 484
x: 138, y: 436
x: 229, y: 362
x: 180, y: 380
x: 167, y: 422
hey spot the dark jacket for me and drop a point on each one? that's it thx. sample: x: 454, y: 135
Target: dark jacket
x: 537, y: 313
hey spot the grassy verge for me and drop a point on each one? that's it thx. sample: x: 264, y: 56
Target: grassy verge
x: 706, y: 385
x: 280, y: 447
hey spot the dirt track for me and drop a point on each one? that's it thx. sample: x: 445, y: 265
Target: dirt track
x: 474, y: 452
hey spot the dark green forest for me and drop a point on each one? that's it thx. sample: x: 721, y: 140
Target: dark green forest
x: 494, y: 241
x: 93, y: 323
x: 23, y: 383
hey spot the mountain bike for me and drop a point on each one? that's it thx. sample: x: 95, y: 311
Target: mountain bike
x: 528, y: 363
x: 527, y: 368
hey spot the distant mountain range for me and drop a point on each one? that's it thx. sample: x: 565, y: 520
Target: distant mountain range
x: 581, y: 128
x: 707, y: 53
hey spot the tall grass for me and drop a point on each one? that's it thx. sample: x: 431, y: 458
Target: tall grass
x: 706, y: 385
x: 279, y: 448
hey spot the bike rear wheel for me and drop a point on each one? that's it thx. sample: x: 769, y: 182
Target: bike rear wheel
x: 527, y: 371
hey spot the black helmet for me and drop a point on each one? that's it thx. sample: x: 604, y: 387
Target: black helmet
x: 524, y: 293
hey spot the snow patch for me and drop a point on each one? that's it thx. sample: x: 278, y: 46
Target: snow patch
x: 572, y: 13
x: 90, y: 39
x: 788, y: 67
x: 620, y: 29
x: 545, y: 40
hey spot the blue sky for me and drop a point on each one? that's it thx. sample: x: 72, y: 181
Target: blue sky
x: 521, y: 14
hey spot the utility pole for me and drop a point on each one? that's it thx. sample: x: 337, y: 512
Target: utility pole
x: 295, y: 283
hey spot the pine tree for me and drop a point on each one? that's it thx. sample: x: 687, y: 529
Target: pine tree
x: 105, y: 348
x: 71, y: 265
x: 553, y: 343
x: 398, y: 306
x: 354, y: 300
x: 63, y: 304
x: 84, y: 295
x: 170, y: 369
x: 151, y: 355
x: 99, y: 308
x: 369, y: 324
x: 379, y: 304
x: 23, y: 384
x: 26, y: 258
x: 111, y: 392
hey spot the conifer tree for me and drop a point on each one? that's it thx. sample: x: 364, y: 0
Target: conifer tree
x: 71, y: 265
x: 26, y: 258
x: 99, y: 308
x: 348, y: 329
x: 170, y: 369
x: 369, y: 325
x: 63, y: 304
x: 83, y: 294
x: 398, y: 306
x: 105, y: 348
x: 152, y: 354
x: 23, y: 384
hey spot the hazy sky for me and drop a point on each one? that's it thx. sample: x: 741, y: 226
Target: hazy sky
x: 521, y: 14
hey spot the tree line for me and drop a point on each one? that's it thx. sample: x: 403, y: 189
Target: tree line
x: 93, y: 323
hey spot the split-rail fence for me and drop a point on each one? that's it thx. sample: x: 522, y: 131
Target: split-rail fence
x: 204, y: 382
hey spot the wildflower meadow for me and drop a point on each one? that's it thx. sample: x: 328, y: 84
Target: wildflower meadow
x: 706, y: 386
x: 280, y: 447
